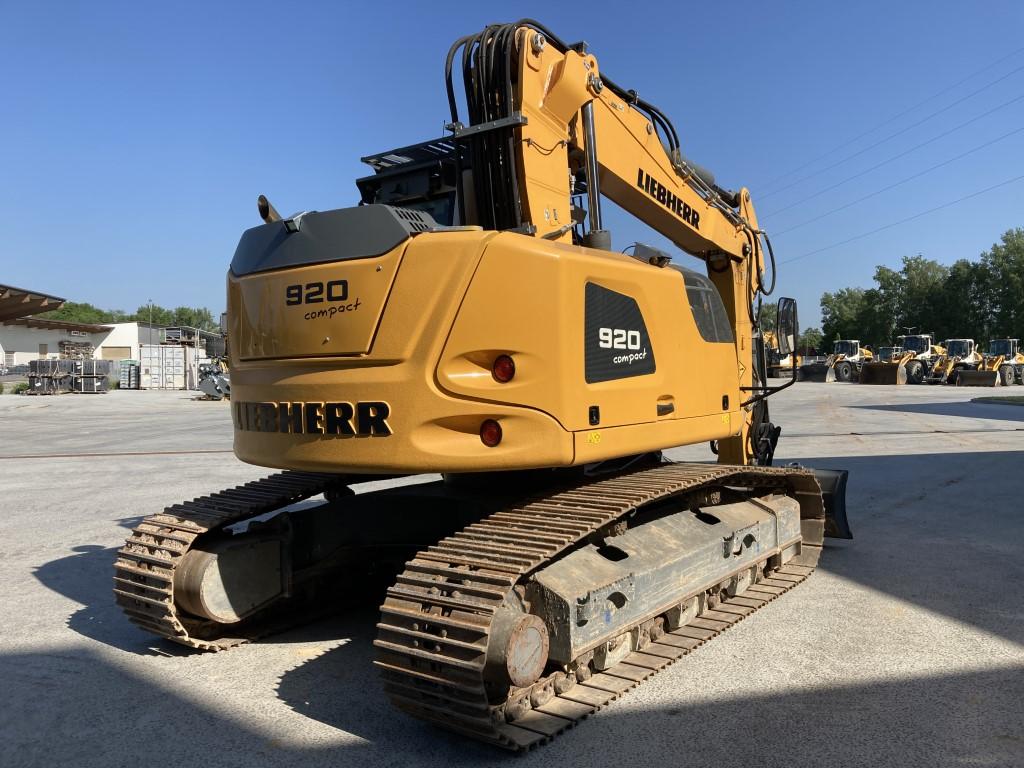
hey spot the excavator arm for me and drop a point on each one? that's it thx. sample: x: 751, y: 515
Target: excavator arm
x: 573, y: 131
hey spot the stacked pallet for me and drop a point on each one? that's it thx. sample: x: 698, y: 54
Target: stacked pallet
x: 50, y: 377
x: 55, y: 377
x: 129, y: 374
x: 91, y: 376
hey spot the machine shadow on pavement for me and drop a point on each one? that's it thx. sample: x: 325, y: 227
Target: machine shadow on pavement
x: 956, y: 719
x: 958, y: 409
x: 908, y: 513
x: 924, y: 522
x: 85, y: 576
x: 949, y: 720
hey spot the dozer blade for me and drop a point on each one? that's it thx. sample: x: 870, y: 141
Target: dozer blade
x: 977, y: 379
x: 883, y: 373
x: 833, y: 494
x: 817, y: 372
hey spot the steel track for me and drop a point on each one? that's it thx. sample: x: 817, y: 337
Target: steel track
x: 145, y: 566
x: 435, y: 621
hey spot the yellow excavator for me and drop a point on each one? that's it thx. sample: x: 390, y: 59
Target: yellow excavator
x: 780, y: 366
x: 471, y: 318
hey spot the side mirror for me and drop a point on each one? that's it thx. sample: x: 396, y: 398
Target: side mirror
x: 789, y: 330
x: 223, y: 322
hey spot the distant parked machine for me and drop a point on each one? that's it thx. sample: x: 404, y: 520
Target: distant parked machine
x: 779, y: 366
x: 843, y: 364
x: 960, y: 359
x: 214, y: 381
x: 889, y: 367
x: 1011, y: 367
x: 925, y: 353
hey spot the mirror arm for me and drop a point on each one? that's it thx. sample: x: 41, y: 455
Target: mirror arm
x: 763, y: 392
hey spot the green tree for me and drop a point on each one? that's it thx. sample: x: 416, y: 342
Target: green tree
x: 1005, y: 262
x: 841, y: 314
x: 155, y: 314
x: 922, y: 282
x: 194, y: 317
x: 982, y: 299
x: 968, y: 300
x: 811, y: 340
x: 883, y: 308
x: 80, y: 312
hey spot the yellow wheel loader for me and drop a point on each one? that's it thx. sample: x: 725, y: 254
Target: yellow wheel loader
x: 889, y: 368
x: 1005, y: 356
x: 962, y: 365
x: 471, y: 318
x: 988, y: 373
x: 926, y: 354
x: 844, y: 364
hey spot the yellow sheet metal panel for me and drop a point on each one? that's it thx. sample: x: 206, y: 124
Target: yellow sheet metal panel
x: 541, y: 324
x: 316, y: 310
x: 416, y: 401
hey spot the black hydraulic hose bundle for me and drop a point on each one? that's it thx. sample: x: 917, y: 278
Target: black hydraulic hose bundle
x: 502, y: 38
x: 488, y: 72
x: 488, y: 66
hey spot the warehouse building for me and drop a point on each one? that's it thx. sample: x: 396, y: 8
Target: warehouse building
x: 169, y: 357
x: 33, y: 338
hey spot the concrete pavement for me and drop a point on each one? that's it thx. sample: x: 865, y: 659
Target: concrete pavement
x: 905, y: 648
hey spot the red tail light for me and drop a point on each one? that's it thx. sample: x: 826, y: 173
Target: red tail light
x: 490, y: 433
x: 504, y: 368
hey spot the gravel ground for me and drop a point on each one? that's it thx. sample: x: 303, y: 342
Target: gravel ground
x: 906, y: 647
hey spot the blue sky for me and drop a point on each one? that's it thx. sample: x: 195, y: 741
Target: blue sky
x: 135, y: 137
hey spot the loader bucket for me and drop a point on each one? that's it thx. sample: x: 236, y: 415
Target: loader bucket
x: 883, y: 373
x: 833, y: 493
x: 816, y: 372
x: 967, y: 378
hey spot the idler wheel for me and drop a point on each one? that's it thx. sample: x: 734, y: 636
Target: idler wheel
x: 518, y: 648
x: 228, y: 580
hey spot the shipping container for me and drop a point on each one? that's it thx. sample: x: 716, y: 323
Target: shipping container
x: 162, y: 367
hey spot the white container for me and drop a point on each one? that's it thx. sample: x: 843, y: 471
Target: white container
x: 162, y: 367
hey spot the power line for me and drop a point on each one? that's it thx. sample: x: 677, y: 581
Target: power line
x: 894, y: 118
x: 891, y: 136
x: 902, y: 181
x: 897, y: 156
x: 903, y: 221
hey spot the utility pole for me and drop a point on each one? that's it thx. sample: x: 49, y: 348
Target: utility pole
x: 151, y: 322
